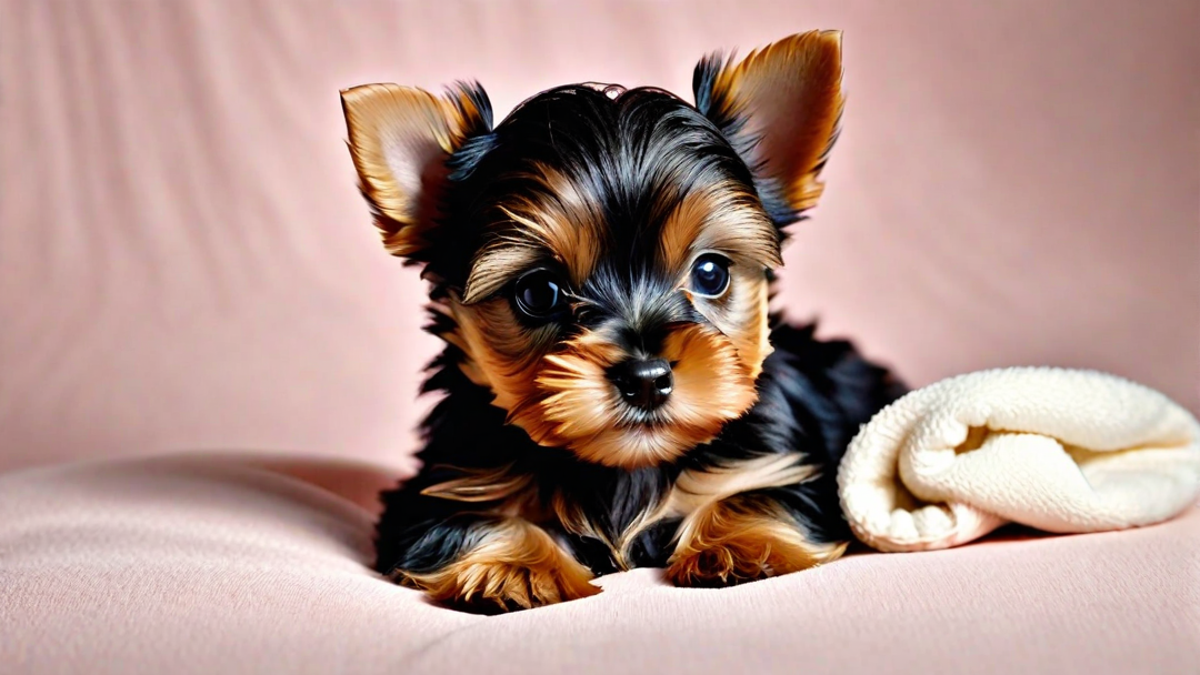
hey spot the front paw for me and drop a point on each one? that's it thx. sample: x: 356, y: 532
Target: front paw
x: 743, y: 538
x: 515, y: 565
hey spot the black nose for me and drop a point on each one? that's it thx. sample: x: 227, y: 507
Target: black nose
x: 644, y: 383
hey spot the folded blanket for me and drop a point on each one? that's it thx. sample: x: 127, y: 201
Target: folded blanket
x: 1058, y: 450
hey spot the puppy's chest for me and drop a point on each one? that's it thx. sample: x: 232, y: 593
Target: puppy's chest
x: 633, y: 518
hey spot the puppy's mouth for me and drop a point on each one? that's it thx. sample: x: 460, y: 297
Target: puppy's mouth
x: 641, y: 419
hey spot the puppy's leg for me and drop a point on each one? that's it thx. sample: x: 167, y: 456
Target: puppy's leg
x: 742, y: 538
x: 493, y: 562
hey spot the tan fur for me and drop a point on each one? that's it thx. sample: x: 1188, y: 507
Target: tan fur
x: 721, y: 218
x: 790, y: 94
x: 483, y: 486
x: 580, y: 409
x: 502, y: 354
x: 516, y: 563
x: 561, y: 221
x: 743, y: 538
x: 399, y: 138
x: 742, y: 315
x: 511, y: 493
x: 696, y: 489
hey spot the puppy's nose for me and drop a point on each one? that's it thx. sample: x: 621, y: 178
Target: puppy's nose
x: 643, y: 383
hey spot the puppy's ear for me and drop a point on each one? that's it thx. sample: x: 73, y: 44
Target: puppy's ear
x: 400, y: 139
x: 779, y: 108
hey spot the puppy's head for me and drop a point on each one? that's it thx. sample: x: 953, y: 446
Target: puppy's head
x: 601, y: 257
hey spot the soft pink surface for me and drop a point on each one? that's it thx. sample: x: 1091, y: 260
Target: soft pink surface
x: 220, y: 565
x: 185, y: 262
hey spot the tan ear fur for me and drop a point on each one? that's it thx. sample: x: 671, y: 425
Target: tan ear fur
x: 780, y: 106
x: 400, y: 138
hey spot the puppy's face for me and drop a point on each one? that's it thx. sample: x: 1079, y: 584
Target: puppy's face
x: 601, y: 257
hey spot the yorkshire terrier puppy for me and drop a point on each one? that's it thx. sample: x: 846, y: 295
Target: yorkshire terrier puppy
x: 617, y: 393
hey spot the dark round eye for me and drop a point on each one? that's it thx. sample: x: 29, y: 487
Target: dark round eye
x: 710, y: 275
x: 539, y: 294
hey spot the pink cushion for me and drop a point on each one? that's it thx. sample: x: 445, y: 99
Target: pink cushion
x: 223, y: 564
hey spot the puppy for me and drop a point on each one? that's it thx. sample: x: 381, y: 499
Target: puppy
x: 616, y: 392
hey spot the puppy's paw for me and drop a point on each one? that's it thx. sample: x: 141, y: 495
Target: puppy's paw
x: 516, y: 565
x: 743, y: 539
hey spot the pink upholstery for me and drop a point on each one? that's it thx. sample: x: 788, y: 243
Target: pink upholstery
x: 219, y: 565
x: 185, y: 264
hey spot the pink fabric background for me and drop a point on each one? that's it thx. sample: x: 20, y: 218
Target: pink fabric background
x: 185, y: 262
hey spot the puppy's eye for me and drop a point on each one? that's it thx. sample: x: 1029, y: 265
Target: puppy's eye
x: 539, y: 295
x: 710, y: 275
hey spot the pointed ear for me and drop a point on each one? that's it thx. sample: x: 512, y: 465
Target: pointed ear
x: 779, y: 107
x: 400, y: 139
